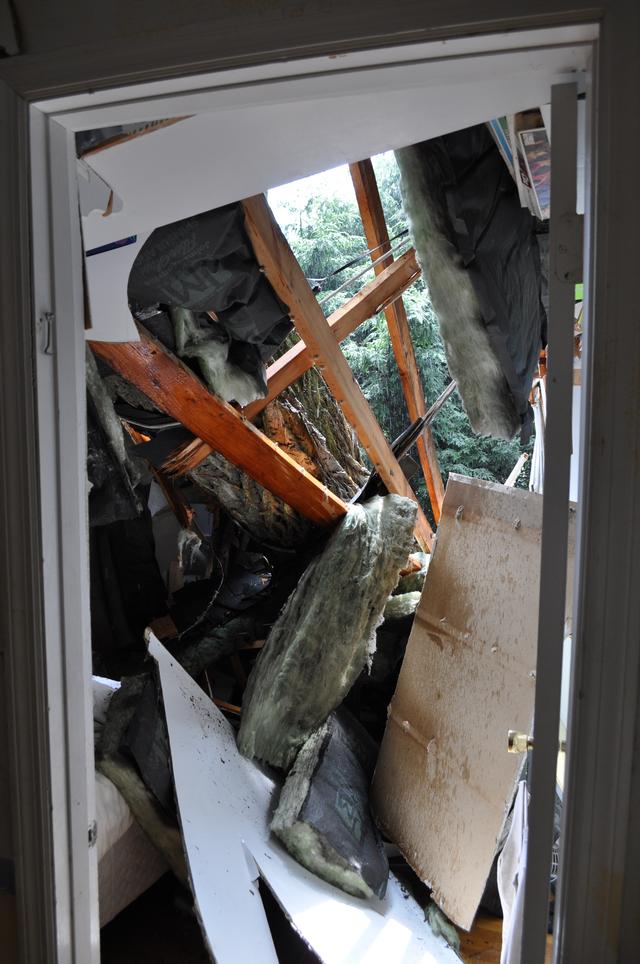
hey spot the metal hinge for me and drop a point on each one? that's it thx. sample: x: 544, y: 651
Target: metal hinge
x: 93, y: 834
x: 46, y: 332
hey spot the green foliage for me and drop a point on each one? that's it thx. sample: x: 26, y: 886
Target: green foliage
x: 324, y: 235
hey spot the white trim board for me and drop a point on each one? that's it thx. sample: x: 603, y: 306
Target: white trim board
x: 78, y: 111
x: 304, y: 126
x: 225, y: 803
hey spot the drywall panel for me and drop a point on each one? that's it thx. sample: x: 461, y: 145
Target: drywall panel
x: 305, y: 126
x: 225, y: 803
x: 444, y: 780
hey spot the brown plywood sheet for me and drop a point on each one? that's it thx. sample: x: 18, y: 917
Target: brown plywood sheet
x: 444, y: 780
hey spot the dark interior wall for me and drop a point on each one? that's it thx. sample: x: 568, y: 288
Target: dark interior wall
x: 225, y: 27
x: 7, y: 888
x: 6, y: 849
x: 44, y: 26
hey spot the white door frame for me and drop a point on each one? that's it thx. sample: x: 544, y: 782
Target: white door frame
x: 607, y: 618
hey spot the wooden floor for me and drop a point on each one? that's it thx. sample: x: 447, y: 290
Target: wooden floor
x: 484, y: 941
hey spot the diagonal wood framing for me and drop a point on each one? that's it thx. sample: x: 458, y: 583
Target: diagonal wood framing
x: 288, y: 281
x: 375, y: 229
x: 177, y: 391
x: 371, y: 299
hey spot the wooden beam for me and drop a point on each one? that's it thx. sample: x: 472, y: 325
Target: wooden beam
x: 177, y: 391
x: 288, y: 281
x: 371, y: 299
x: 375, y: 230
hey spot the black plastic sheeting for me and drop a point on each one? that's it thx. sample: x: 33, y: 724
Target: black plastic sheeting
x: 206, y: 263
x: 207, y: 603
x: 496, y: 239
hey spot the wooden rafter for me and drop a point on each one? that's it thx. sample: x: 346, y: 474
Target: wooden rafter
x: 371, y: 299
x: 288, y: 281
x: 375, y: 229
x: 177, y: 391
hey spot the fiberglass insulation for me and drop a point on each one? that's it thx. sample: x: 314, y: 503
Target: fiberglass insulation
x: 479, y: 253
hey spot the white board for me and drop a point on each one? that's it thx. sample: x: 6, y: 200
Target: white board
x: 301, y: 127
x: 224, y: 803
x: 444, y: 780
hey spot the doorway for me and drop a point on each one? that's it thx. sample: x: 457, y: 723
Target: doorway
x: 242, y: 101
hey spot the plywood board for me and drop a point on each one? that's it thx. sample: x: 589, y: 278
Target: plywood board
x: 225, y: 803
x: 444, y: 780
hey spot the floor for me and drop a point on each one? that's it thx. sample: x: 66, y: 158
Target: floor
x: 8, y: 929
x: 161, y: 927
x: 484, y: 941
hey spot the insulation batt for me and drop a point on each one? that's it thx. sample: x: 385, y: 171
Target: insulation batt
x: 325, y: 634
x: 210, y: 345
x: 480, y: 258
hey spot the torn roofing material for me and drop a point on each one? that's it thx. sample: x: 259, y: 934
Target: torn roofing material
x: 323, y: 816
x: 479, y: 253
x: 206, y: 264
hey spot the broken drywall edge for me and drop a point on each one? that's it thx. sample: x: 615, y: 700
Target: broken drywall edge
x: 94, y: 194
x: 107, y: 280
x: 106, y: 271
x: 165, y: 175
x: 224, y: 803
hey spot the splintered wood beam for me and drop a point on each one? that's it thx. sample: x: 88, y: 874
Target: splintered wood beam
x: 177, y: 391
x: 371, y: 299
x: 375, y: 230
x: 288, y: 281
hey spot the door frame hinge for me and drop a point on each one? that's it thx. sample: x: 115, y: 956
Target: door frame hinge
x: 46, y: 332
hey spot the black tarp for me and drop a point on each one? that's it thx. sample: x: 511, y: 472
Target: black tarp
x: 496, y: 238
x: 479, y: 210
x: 206, y: 263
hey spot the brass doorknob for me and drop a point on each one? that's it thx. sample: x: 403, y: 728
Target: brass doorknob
x: 521, y: 742
x: 518, y: 742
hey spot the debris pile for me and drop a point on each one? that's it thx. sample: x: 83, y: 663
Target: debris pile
x: 292, y: 663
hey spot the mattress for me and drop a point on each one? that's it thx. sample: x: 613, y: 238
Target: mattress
x: 128, y: 863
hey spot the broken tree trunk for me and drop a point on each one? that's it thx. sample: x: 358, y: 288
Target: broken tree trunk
x: 291, y: 364
x: 176, y: 390
x: 310, y: 427
x: 326, y: 632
